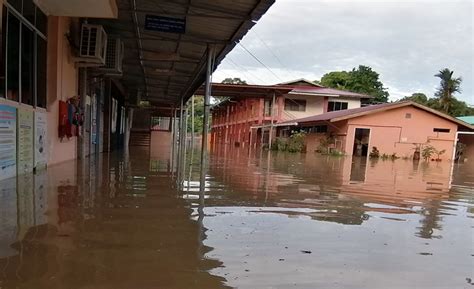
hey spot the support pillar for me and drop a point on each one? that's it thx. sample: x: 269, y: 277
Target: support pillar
x: 173, y: 138
x: 205, y: 125
x: 192, y: 121
x: 270, y: 137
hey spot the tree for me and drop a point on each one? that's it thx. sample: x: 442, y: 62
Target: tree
x: 336, y: 79
x: 448, y: 86
x: 198, y: 113
x: 361, y: 80
x: 457, y: 107
x: 417, y: 97
x: 235, y: 80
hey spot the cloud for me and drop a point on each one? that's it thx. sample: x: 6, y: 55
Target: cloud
x: 407, y: 42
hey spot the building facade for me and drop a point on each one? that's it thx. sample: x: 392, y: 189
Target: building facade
x: 400, y: 129
x: 249, y: 114
x: 40, y: 89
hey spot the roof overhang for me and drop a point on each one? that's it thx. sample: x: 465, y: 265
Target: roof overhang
x: 313, y: 94
x: 166, y: 67
x: 242, y: 91
x: 79, y: 8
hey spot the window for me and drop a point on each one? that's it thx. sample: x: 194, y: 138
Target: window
x: 445, y: 130
x: 336, y: 105
x: 3, y: 50
x: 295, y: 104
x: 160, y: 123
x: 268, y: 108
x: 23, y: 53
x: 27, y: 65
x: 316, y: 129
x: 41, y: 72
x: 13, y: 58
x: 407, y: 115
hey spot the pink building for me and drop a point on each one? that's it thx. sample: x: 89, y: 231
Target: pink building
x: 399, y: 128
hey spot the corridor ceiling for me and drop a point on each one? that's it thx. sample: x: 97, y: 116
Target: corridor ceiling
x: 166, y: 66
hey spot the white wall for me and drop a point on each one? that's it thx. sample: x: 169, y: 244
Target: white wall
x: 314, y: 106
x: 351, y: 102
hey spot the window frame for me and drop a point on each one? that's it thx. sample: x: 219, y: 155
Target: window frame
x: 332, y: 105
x: 290, y: 104
x: 9, y: 11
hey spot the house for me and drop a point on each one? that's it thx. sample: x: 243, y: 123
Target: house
x: 250, y: 112
x: 400, y: 128
x: 467, y: 138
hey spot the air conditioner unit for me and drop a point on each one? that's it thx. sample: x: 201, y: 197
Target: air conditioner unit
x: 113, y: 58
x: 93, y: 46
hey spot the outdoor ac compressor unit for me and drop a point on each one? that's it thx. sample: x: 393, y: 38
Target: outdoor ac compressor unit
x: 113, y: 58
x: 93, y: 46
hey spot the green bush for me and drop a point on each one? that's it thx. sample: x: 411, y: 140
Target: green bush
x: 280, y: 144
x: 296, y: 142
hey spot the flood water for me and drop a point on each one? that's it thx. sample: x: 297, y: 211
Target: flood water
x: 261, y: 220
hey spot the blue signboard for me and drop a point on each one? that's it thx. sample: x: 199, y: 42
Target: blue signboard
x: 165, y: 24
x: 7, y: 141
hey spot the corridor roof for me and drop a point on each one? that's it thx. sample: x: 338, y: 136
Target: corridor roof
x: 167, y: 66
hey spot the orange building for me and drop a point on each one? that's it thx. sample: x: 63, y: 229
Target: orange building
x: 399, y: 129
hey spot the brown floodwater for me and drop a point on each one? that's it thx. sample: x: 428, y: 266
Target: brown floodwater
x: 259, y: 220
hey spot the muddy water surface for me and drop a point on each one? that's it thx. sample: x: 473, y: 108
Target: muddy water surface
x: 261, y: 220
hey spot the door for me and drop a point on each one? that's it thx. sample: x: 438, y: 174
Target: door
x: 361, y: 142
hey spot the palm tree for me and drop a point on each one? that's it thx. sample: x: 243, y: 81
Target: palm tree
x: 448, y: 86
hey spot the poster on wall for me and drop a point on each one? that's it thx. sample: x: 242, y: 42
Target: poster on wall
x: 8, y: 142
x: 25, y: 141
x: 41, y: 157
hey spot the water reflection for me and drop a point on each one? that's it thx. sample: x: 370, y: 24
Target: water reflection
x: 258, y: 220
x: 113, y: 222
x: 339, y: 222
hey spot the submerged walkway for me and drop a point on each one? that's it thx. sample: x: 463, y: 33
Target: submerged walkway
x: 266, y: 221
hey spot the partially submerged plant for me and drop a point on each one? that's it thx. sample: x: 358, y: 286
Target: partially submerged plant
x: 374, y: 154
x: 427, y: 152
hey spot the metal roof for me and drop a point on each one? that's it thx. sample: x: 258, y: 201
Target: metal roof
x: 326, y: 91
x: 169, y: 66
x: 253, y: 90
x: 339, y: 115
x: 244, y: 90
x: 468, y: 119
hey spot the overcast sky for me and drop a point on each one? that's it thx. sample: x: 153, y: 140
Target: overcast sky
x: 406, y: 41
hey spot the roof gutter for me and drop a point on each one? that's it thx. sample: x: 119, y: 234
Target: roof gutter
x: 274, y: 125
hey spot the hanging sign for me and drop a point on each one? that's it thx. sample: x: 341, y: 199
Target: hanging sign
x: 7, y: 142
x: 165, y: 24
x: 41, y: 157
x: 25, y: 141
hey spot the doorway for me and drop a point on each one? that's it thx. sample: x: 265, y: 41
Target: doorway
x: 361, y: 142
